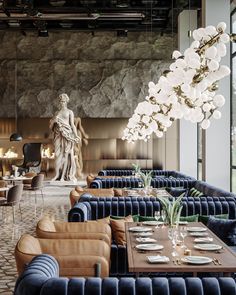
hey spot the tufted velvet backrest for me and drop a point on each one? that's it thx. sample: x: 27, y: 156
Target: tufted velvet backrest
x: 90, y: 207
x: 41, y: 277
x: 207, y: 205
x: 211, y: 190
x: 129, y: 172
x: 132, y: 182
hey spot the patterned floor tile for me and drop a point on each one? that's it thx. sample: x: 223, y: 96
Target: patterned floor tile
x: 56, y: 205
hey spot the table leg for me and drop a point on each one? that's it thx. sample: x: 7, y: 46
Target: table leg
x: 137, y: 274
x: 194, y: 274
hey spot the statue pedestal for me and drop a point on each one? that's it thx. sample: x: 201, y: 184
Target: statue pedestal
x: 67, y: 183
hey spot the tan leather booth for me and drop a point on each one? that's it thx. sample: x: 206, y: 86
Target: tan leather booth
x: 47, y: 229
x: 96, y: 192
x: 76, y: 257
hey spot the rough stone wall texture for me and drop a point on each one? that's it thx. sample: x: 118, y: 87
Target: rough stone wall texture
x: 104, y: 75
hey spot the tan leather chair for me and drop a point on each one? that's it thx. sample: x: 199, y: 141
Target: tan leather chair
x: 75, y: 257
x: 47, y: 229
x: 89, y: 179
x: 96, y: 192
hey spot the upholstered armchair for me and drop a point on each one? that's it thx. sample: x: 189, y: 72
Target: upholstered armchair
x: 91, y: 230
x: 76, y: 257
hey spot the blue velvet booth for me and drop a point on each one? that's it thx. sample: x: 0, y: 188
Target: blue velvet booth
x: 41, y: 277
x: 92, y: 208
x: 161, y: 178
x: 129, y: 172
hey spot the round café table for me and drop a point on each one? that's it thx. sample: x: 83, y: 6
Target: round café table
x: 4, y: 189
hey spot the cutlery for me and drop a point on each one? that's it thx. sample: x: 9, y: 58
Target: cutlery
x: 217, y: 261
x: 214, y: 261
x: 178, y: 261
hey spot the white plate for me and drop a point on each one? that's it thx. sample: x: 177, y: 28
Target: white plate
x: 140, y: 229
x: 208, y: 247
x: 145, y: 240
x: 158, y: 259
x: 143, y: 234
x: 203, y: 240
x: 197, y: 234
x: 152, y: 222
x: 196, y: 259
x: 149, y: 247
x: 196, y: 229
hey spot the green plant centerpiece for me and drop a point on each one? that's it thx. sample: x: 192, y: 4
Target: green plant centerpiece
x: 146, y: 180
x: 137, y: 169
x: 172, y: 209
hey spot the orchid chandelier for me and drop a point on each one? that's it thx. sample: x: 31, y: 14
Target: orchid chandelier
x: 187, y: 90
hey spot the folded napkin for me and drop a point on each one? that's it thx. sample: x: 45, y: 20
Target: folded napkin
x: 158, y: 259
x: 202, y: 240
x: 146, y: 240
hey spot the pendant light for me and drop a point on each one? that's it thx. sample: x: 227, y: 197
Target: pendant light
x: 16, y: 136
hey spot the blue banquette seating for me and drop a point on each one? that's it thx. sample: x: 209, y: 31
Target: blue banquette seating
x: 160, y: 179
x: 41, y: 277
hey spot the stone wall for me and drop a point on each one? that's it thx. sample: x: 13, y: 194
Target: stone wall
x: 104, y: 75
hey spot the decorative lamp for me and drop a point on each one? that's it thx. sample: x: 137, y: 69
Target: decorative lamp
x: 187, y: 90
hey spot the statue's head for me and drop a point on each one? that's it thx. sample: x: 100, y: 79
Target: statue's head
x: 63, y: 99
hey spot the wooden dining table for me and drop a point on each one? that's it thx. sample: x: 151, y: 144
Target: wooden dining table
x: 224, y: 260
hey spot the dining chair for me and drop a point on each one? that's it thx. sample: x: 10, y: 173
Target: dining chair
x: 30, y: 176
x: 12, y: 200
x: 3, y: 183
x: 36, y: 185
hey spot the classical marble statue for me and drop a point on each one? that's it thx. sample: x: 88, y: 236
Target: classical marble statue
x: 78, y: 147
x: 65, y: 138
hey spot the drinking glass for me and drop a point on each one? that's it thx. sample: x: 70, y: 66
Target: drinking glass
x: 183, y: 234
x: 174, y: 238
x: 163, y: 217
x: 157, y: 215
x: 140, y: 184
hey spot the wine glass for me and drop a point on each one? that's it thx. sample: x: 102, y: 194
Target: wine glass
x: 157, y: 215
x: 140, y: 185
x: 163, y: 217
x: 183, y: 234
x: 173, y: 236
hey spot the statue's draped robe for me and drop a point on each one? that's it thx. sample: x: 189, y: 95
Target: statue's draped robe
x: 64, y: 141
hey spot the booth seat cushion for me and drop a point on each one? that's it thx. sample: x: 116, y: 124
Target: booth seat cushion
x: 204, y: 218
x: 147, y: 218
x: 118, y: 229
x: 136, y: 218
x: 41, y: 277
x: 224, y: 229
x: 191, y: 218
